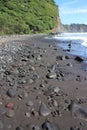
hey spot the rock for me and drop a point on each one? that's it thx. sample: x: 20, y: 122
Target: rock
x: 9, y: 105
x: 35, y: 113
x: 21, y: 81
x: 69, y: 64
x: 27, y: 114
x: 52, y: 75
x: 30, y: 103
x: 82, y: 124
x: 60, y: 57
x: 79, y: 59
x: 15, y: 72
x: 55, y: 89
x: 19, y: 128
x: 79, y: 111
x: 61, y: 74
x: 2, y: 112
x: 1, y: 125
x: 35, y: 127
x: 54, y: 102
x: 44, y: 110
x: 42, y: 85
x: 38, y: 57
x: 67, y: 57
x: 10, y: 113
x: 49, y: 126
x: 9, y: 126
x: 11, y: 92
x: 31, y: 68
x: 30, y: 81
x: 36, y: 76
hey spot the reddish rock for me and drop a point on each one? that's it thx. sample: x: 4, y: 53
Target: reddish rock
x: 9, y: 105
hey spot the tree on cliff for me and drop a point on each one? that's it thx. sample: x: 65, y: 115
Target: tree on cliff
x: 27, y: 16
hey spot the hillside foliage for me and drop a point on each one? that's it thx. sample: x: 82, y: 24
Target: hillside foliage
x: 27, y: 16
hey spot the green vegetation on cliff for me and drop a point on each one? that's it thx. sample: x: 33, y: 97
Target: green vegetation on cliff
x: 27, y: 16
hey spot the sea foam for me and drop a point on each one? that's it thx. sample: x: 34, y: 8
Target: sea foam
x: 81, y: 37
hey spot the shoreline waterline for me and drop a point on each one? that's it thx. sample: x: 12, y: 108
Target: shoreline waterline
x: 78, y: 43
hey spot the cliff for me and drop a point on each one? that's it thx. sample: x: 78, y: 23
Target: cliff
x: 76, y: 28
x: 27, y: 16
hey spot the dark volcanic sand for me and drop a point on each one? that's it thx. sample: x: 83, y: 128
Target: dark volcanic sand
x: 38, y: 85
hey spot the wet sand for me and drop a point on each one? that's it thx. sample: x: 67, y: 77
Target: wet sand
x: 38, y: 73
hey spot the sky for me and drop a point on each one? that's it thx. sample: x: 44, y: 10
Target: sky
x: 72, y: 11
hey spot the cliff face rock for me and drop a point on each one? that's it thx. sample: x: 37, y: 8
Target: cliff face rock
x: 27, y: 16
x: 59, y: 26
x: 76, y: 28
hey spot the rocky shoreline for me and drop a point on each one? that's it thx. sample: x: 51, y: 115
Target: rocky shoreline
x: 41, y: 87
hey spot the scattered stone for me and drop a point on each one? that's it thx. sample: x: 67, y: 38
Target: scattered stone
x: 11, y: 92
x: 42, y: 85
x: 69, y: 64
x: 60, y: 58
x: 79, y: 59
x: 9, y: 105
x: 35, y: 127
x: 49, y: 126
x: 38, y: 57
x: 54, y: 102
x: 19, y: 128
x: 21, y: 81
x: 10, y: 113
x: 2, y: 112
x: 67, y: 57
x: 35, y: 113
x: 32, y: 68
x: 1, y: 125
x: 30, y: 81
x: 55, y: 89
x: 30, y: 103
x: 61, y: 74
x: 9, y: 126
x: 79, y: 111
x: 15, y: 72
x: 27, y: 114
x: 52, y: 75
x: 82, y: 123
x: 44, y: 110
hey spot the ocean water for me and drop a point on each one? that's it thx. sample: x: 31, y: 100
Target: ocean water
x: 78, y: 43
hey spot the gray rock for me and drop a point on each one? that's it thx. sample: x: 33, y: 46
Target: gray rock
x: 1, y: 125
x: 55, y: 89
x: 44, y: 110
x: 2, y: 112
x: 79, y: 111
x: 30, y: 103
x: 21, y: 81
x: 52, y: 75
x: 30, y: 81
x: 60, y: 58
x: 49, y: 126
x: 27, y: 114
x: 11, y: 92
x: 35, y: 127
x: 10, y: 113
x: 69, y: 64
x: 15, y: 72
x: 54, y: 102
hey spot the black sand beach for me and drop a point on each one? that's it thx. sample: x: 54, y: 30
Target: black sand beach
x: 41, y: 87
